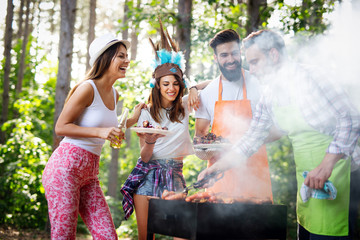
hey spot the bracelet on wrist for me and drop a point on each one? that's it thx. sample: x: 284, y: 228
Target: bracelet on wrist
x: 193, y: 87
x: 150, y: 143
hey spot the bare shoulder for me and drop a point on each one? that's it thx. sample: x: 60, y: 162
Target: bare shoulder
x: 83, y: 94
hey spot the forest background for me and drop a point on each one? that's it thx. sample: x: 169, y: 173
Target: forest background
x: 45, y: 53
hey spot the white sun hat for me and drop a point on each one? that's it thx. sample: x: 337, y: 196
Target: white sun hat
x: 100, y: 44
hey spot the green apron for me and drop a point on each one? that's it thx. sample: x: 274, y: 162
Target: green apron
x: 322, y: 217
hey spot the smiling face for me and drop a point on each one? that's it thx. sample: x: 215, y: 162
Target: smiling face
x: 119, y: 63
x: 169, y: 90
x: 228, y: 57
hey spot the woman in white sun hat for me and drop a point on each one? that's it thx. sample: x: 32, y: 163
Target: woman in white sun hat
x: 87, y: 120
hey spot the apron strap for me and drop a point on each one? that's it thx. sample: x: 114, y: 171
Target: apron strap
x: 220, y: 90
x: 243, y: 87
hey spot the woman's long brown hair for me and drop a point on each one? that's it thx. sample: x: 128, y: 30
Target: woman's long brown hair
x: 176, y: 113
x: 100, y: 66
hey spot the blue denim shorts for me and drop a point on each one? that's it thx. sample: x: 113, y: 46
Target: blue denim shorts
x: 147, y: 188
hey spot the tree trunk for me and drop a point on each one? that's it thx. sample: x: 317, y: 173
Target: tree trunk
x: 32, y: 15
x: 20, y: 20
x: 7, y: 56
x: 20, y: 75
x: 114, y: 164
x: 254, y: 20
x: 125, y: 32
x: 239, y: 22
x: 134, y: 43
x: 184, y: 30
x: 68, y: 12
x: 314, y: 17
x: 52, y: 20
x: 91, y: 32
x: 134, y: 37
x: 305, y: 7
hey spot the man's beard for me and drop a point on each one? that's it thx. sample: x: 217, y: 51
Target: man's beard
x: 231, y: 75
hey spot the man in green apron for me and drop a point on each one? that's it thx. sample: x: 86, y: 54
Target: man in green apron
x: 321, y: 123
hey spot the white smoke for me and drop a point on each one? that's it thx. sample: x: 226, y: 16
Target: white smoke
x: 338, y: 50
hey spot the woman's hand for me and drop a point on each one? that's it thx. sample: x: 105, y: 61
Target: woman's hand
x: 136, y: 114
x: 112, y: 134
x: 193, y: 99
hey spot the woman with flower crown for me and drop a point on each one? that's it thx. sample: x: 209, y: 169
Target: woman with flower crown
x: 160, y: 164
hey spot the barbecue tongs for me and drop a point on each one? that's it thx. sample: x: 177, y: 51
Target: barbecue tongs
x: 217, y: 175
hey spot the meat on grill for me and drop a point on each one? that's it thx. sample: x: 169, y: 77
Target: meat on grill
x: 209, y: 196
x: 171, y: 195
x: 222, y: 198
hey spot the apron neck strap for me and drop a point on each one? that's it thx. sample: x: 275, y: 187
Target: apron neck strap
x: 243, y: 87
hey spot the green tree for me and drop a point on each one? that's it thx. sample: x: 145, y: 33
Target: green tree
x: 22, y: 159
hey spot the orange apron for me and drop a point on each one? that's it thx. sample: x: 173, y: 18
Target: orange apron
x: 250, y: 180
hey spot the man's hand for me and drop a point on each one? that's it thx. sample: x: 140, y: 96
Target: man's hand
x: 318, y: 176
x: 205, y: 173
x: 227, y: 161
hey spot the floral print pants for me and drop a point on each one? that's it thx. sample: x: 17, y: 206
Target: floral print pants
x: 72, y: 187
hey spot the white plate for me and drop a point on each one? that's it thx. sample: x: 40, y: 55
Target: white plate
x: 212, y: 146
x: 210, y: 150
x: 151, y: 130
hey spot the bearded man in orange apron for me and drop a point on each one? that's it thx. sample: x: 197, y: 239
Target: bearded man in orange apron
x: 227, y: 104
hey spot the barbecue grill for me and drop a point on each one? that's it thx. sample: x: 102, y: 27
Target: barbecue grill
x: 208, y: 221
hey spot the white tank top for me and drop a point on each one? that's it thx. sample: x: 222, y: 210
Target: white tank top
x: 96, y: 115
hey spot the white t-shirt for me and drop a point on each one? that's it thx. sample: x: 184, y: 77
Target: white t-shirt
x: 171, y: 146
x: 231, y: 91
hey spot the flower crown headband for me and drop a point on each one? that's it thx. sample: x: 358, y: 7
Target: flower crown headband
x: 169, y: 60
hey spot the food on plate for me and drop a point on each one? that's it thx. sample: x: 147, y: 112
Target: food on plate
x: 171, y: 195
x: 210, y: 146
x: 147, y: 124
x: 210, y: 138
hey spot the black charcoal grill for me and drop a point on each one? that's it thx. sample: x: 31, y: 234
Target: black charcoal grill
x: 216, y: 220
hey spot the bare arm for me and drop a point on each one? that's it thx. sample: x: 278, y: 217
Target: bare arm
x: 147, y: 143
x: 193, y: 100
x: 203, y: 84
x: 201, y: 127
x: 65, y: 125
x: 135, y: 117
